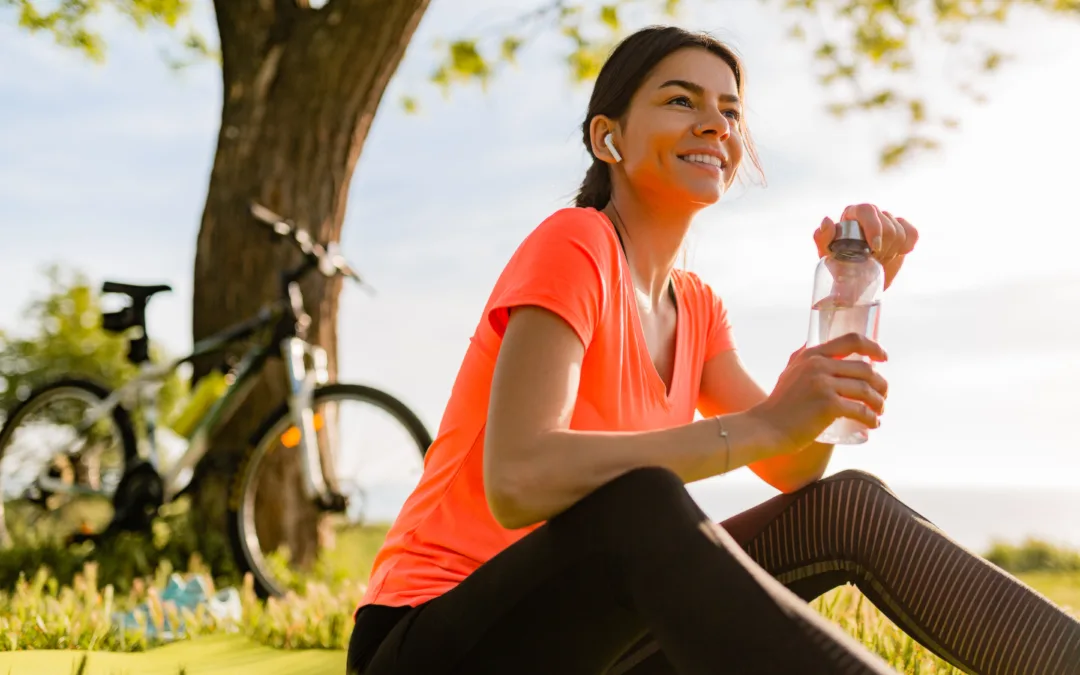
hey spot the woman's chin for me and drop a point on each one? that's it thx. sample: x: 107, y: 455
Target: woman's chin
x: 703, y: 196
x: 697, y: 196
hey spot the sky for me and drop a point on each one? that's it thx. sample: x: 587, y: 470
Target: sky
x: 104, y: 168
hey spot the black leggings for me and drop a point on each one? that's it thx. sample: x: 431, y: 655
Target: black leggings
x: 634, y: 579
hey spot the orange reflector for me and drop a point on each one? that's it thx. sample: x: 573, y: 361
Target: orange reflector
x: 291, y: 437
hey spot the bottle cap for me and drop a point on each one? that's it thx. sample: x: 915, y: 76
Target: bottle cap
x: 849, y: 229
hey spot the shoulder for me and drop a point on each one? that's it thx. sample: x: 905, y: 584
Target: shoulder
x: 574, y: 217
x: 566, y: 264
x: 694, y: 287
x: 702, y: 302
x: 581, y: 227
x: 700, y: 298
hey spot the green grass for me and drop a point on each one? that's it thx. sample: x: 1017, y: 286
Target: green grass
x: 40, y: 612
x: 850, y: 609
x: 1033, y: 555
x: 1062, y: 588
x: 47, y: 627
x: 212, y: 655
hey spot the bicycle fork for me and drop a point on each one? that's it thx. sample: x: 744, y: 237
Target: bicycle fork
x: 302, y: 383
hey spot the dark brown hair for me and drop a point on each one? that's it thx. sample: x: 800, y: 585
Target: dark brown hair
x: 626, y: 68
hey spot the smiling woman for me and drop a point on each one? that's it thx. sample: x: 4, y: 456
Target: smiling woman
x: 667, y: 106
x: 552, y: 532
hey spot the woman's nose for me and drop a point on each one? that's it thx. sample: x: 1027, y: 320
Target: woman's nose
x: 715, y: 124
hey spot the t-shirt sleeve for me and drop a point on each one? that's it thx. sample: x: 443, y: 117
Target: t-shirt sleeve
x: 564, y: 267
x: 719, y: 337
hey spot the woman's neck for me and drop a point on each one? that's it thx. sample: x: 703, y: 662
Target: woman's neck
x: 652, y: 241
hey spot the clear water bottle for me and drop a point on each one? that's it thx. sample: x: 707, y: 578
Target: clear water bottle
x: 848, y: 285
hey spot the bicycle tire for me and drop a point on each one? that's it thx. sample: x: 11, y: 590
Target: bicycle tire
x: 239, y: 503
x: 120, y: 416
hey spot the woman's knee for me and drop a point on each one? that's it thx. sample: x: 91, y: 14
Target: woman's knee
x: 639, y: 497
x: 650, y: 479
x: 645, y: 509
x: 651, y: 485
x: 859, y: 490
x: 857, y: 476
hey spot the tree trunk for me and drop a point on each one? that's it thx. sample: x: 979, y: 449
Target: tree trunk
x: 301, y: 87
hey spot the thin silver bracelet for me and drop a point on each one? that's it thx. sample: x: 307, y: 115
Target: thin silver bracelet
x: 727, y: 443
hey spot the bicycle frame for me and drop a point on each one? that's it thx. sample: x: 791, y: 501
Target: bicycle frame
x: 290, y: 322
x: 141, y: 393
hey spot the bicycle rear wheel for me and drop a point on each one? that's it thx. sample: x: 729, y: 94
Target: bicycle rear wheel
x: 372, y: 447
x: 58, y: 473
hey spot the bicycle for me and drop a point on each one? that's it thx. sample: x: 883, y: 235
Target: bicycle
x: 136, y: 480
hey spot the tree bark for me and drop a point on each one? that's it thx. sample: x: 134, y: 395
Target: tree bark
x: 301, y: 87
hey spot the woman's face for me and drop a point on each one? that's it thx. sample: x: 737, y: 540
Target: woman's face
x: 681, y: 141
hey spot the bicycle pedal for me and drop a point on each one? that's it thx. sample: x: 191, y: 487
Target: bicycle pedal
x: 335, y: 502
x: 81, y: 538
x: 95, y: 538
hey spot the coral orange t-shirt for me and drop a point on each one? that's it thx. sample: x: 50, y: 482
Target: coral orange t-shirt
x: 572, y: 265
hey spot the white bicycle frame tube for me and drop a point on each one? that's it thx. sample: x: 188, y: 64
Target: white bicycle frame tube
x: 141, y: 391
x: 302, y: 382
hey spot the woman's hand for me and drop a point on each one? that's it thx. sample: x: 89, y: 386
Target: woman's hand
x: 819, y: 385
x: 891, y: 238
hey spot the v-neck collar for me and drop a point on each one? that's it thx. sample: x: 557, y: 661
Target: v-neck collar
x: 663, y: 391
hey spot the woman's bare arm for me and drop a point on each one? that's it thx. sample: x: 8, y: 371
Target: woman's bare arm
x: 535, y: 467
x: 727, y: 387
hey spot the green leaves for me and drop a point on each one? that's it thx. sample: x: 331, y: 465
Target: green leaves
x: 609, y: 14
x: 62, y: 336
x: 510, y: 46
x: 66, y: 23
x: 864, y: 49
x: 463, y: 62
x: 859, y: 45
x: 868, y: 60
x: 70, y: 22
x: 410, y: 105
x: 591, y: 31
x: 466, y: 61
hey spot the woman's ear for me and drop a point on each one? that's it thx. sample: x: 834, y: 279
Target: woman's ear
x: 610, y: 143
x: 605, y: 139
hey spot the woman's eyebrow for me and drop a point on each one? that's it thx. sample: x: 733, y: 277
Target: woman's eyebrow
x: 698, y: 89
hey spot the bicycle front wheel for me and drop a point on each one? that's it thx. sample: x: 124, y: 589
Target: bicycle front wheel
x: 372, y: 448
x: 61, y: 464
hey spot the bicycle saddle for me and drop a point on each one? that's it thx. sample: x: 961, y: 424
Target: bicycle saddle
x: 135, y: 291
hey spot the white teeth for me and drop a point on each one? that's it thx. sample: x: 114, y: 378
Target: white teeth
x: 705, y: 159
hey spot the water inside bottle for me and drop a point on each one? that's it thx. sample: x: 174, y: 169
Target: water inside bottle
x: 830, y: 320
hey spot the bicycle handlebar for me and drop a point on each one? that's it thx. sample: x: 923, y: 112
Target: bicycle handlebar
x: 329, y: 261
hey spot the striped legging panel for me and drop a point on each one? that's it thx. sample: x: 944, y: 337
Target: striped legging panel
x: 851, y: 528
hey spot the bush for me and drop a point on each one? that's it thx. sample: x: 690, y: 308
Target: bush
x: 60, y: 335
x: 1033, y: 555
x: 118, y: 562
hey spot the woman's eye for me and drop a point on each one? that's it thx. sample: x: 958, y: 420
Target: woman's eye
x: 681, y: 100
x: 733, y: 115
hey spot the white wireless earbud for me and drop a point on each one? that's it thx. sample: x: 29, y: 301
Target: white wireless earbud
x: 611, y: 146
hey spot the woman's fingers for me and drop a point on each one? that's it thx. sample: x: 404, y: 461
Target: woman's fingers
x: 823, y: 236
x: 911, y: 236
x: 847, y: 345
x: 895, y: 239
x: 857, y: 411
x: 873, y: 223
x: 861, y: 371
x: 861, y: 391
